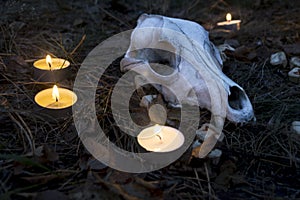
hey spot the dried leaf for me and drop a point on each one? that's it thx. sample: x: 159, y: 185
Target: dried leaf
x: 50, y: 154
x: 41, y: 179
x: 244, y: 53
x: 293, y: 49
x: 95, y: 164
x: 120, y: 177
x: 16, y: 64
x: 18, y: 168
x: 46, y: 154
x: 227, y: 169
x: 50, y: 195
x: 232, y: 42
x: 16, y: 26
x: 23, y: 160
x: 78, y: 22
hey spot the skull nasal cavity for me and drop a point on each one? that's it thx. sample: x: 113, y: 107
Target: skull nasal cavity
x: 236, y: 98
x: 161, y: 61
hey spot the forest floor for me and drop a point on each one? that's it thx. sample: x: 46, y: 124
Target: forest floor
x: 44, y: 160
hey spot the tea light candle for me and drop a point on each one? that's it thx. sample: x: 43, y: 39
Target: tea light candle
x: 51, y: 69
x: 229, y: 24
x: 56, y: 99
x: 294, y: 75
x: 159, y: 138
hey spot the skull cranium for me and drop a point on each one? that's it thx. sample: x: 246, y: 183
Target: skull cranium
x: 188, y: 63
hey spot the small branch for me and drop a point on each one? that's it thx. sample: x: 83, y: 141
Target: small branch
x: 114, y: 17
x: 208, y: 181
x: 78, y: 45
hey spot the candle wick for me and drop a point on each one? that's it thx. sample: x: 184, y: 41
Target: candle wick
x: 159, y: 137
x: 56, y: 99
x: 62, y: 64
x: 49, y: 66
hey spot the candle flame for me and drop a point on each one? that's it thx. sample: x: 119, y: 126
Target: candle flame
x: 49, y: 60
x: 157, y: 131
x: 55, y: 93
x: 228, y: 17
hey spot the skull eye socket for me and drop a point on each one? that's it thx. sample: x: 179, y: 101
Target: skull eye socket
x: 236, y: 98
x: 162, y: 62
x: 162, y: 69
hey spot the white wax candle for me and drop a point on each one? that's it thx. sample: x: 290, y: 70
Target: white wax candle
x: 160, y: 138
x: 51, y: 63
x: 230, y: 24
x: 51, y: 99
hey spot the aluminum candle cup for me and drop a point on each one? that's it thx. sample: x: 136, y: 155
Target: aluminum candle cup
x: 55, y: 102
x: 159, y: 138
x: 232, y: 25
x: 51, y: 69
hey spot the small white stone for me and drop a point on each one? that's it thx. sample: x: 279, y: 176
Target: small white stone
x: 278, y: 58
x: 146, y: 100
x: 201, y: 134
x: 296, y: 126
x: 196, y: 144
x: 294, y: 75
x: 295, y: 62
x: 216, y: 153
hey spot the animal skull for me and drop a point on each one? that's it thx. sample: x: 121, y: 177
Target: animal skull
x: 196, y: 71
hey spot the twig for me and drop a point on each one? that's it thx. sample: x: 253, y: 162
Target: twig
x: 262, y: 71
x: 208, y: 181
x: 78, y: 45
x: 69, y: 180
x: 114, y: 17
x: 198, y: 180
x: 216, y: 5
x: 107, y: 99
x: 26, y: 130
x: 256, y: 195
x: 17, y: 87
x: 117, y: 188
x: 7, y: 54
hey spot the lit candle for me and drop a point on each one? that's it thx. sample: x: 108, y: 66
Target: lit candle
x: 49, y: 61
x: 51, y: 69
x: 55, y: 101
x: 159, y: 138
x: 229, y: 24
x: 55, y: 98
x: 55, y: 93
x: 294, y: 75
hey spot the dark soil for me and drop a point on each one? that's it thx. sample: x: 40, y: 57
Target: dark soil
x: 43, y: 159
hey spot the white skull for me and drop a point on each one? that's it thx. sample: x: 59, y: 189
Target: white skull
x: 196, y: 71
